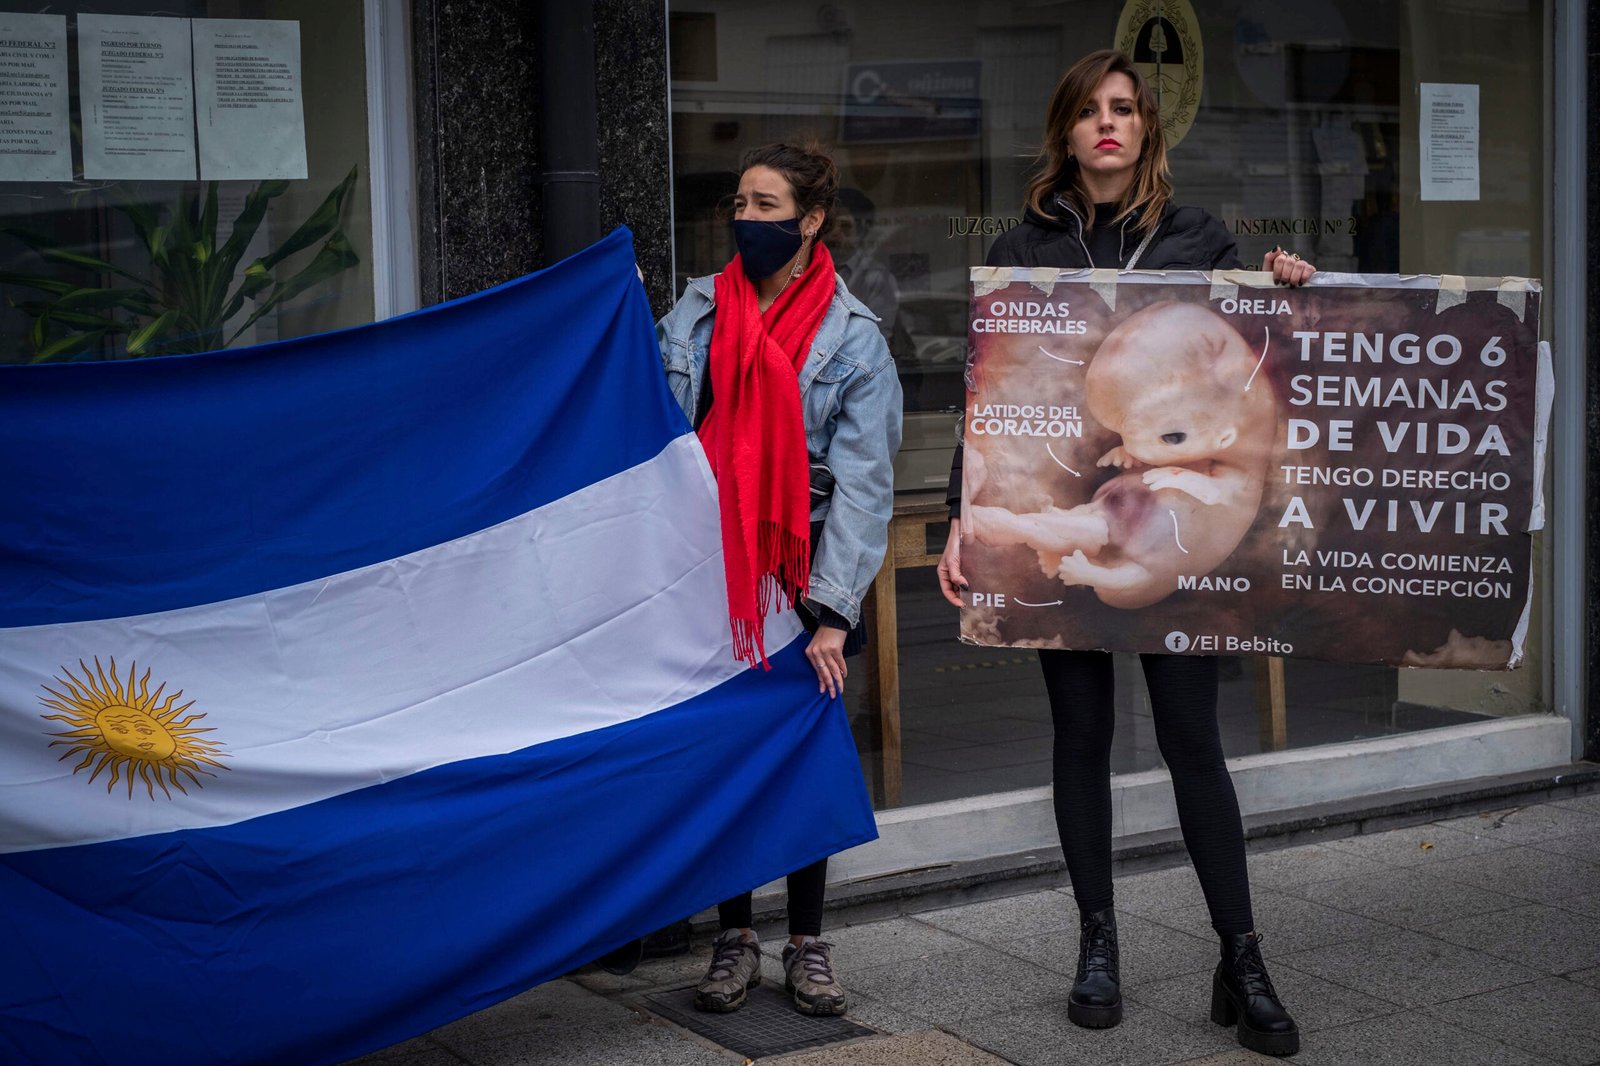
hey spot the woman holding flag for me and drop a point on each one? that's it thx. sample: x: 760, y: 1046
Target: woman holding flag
x: 1103, y: 198
x: 791, y: 388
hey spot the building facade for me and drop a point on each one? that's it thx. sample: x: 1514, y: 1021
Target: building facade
x: 1298, y: 125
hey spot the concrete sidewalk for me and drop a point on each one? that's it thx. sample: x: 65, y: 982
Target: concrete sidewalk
x: 1473, y: 940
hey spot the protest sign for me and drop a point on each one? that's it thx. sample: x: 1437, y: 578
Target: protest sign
x: 1206, y: 464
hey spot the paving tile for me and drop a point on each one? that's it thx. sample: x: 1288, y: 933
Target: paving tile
x: 1158, y: 892
x: 1525, y: 872
x: 1407, y: 897
x: 1287, y: 923
x: 1554, y: 1018
x: 1586, y: 977
x: 1006, y: 918
x: 958, y: 985
x: 1043, y: 1036
x: 418, y: 1052
x: 1417, y: 845
x: 1541, y: 936
x: 930, y: 1047
x: 609, y: 985
x: 1584, y: 844
x: 1402, y: 1041
x: 553, y: 1005
x: 1293, y: 868
x: 1193, y: 918
x: 1314, y: 1003
x: 876, y: 1014
x: 1149, y: 952
x: 1523, y: 825
x: 643, y: 1043
x: 1589, y: 905
x: 1409, y: 969
x: 878, y: 943
x: 1237, y: 1057
x: 1589, y: 803
x: 667, y: 972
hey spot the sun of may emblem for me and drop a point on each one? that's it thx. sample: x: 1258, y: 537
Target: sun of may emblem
x: 130, y: 729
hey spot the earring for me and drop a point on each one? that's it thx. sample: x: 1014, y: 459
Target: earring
x: 800, y: 268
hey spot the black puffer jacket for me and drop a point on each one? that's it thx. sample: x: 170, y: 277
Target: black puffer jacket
x: 1187, y: 238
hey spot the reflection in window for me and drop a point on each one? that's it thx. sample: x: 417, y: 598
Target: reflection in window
x: 124, y: 249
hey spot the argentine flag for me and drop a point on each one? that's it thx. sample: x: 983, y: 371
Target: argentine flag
x: 354, y: 683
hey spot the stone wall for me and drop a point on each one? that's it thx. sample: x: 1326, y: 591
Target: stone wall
x: 477, y: 93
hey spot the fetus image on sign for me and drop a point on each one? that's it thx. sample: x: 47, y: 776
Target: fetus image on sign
x: 1197, y: 422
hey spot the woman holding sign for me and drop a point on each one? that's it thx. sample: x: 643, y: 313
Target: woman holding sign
x: 791, y: 388
x: 1103, y: 199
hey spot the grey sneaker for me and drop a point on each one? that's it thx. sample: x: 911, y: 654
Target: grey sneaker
x: 808, y: 975
x: 735, y: 969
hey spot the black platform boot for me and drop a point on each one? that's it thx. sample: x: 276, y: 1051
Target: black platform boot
x: 1096, y: 998
x: 1242, y: 992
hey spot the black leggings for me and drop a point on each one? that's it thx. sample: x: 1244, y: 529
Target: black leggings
x: 1183, y: 702
x: 806, y: 890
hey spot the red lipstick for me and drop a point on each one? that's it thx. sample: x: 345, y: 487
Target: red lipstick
x: 1109, y: 143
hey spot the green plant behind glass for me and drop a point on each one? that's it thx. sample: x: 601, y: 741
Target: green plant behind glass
x: 184, y: 301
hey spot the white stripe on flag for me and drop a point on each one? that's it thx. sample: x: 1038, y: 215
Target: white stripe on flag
x: 595, y: 609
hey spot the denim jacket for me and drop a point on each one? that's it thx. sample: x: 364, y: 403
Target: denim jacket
x: 850, y: 398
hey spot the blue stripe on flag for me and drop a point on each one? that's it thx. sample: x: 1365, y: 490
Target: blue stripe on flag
x: 154, y: 484
x: 321, y: 933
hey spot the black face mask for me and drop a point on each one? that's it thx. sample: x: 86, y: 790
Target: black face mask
x: 765, y: 246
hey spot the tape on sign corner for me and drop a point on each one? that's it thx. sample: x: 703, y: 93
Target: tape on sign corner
x: 1519, y: 636
x: 987, y: 273
x: 1104, y: 285
x: 1223, y: 290
x: 1240, y: 278
x: 1543, y: 404
x: 1041, y: 279
x: 1452, y: 292
x: 986, y: 280
x: 1514, y: 295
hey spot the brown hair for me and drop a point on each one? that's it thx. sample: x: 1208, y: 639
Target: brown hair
x: 810, y: 171
x: 1058, y: 171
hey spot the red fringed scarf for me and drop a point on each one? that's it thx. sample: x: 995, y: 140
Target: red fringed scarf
x: 755, y: 438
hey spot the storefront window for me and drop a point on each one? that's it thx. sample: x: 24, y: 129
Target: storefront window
x: 1296, y: 124
x: 181, y: 178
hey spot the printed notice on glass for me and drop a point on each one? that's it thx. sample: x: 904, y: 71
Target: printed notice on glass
x: 136, y: 84
x: 1449, y: 140
x: 34, y: 141
x: 251, y: 110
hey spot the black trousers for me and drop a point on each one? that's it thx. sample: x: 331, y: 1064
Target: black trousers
x: 1183, y: 702
x: 807, y: 889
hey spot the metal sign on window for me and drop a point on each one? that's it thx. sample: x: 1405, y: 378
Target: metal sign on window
x: 912, y: 100
x: 1163, y: 39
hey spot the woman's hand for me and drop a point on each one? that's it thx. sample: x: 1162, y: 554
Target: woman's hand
x: 1287, y: 267
x: 951, y: 581
x: 826, y: 653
